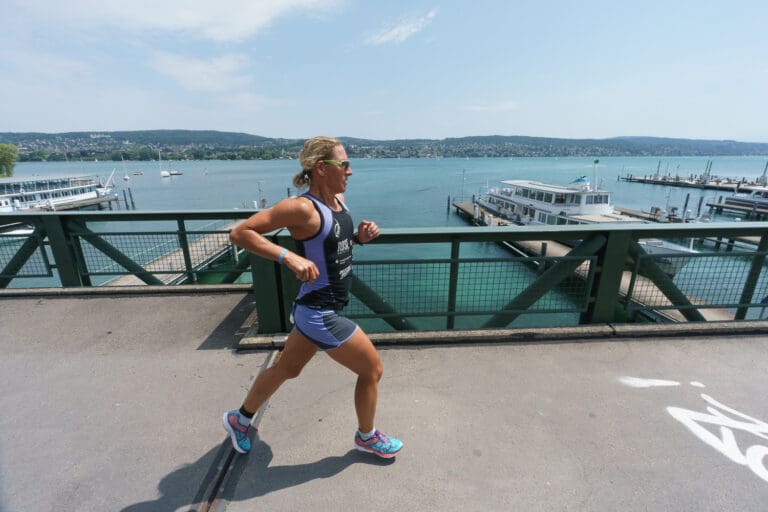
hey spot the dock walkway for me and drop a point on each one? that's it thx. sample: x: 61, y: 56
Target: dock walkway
x: 115, y: 403
x: 645, y: 292
x: 201, y: 251
x: 678, y: 181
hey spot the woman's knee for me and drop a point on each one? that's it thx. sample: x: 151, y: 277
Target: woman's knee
x: 377, y: 370
x: 289, y: 371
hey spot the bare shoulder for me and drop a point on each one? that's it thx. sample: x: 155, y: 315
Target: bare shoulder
x: 288, y: 213
x: 297, y: 209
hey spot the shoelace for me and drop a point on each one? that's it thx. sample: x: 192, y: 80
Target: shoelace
x: 381, y: 438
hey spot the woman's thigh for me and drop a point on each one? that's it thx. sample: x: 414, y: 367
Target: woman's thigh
x: 359, y: 355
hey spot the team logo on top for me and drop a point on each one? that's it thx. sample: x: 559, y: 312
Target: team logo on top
x: 336, y: 228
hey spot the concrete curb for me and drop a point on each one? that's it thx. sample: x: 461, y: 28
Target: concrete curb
x: 91, y: 291
x: 585, y: 332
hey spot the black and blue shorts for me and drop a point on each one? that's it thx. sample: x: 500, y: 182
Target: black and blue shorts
x: 323, y: 327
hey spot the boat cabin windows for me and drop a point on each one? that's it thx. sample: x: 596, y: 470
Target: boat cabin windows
x: 535, y: 195
x: 597, y: 199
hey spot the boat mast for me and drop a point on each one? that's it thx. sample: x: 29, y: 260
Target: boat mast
x: 594, y: 175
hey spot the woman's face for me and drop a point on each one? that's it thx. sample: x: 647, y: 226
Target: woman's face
x: 336, y: 172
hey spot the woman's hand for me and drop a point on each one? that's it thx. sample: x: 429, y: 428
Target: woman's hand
x: 305, y: 270
x: 367, y: 231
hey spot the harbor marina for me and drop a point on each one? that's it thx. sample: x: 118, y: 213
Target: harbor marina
x: 531, y: 202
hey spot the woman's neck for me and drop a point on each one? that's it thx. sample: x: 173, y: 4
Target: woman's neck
x: 326, y: 196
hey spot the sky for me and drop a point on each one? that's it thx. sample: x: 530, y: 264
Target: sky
x: 388, y: 70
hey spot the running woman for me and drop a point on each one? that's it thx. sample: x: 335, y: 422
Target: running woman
x: 322, y: 226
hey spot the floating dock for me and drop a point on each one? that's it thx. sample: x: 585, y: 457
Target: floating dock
x: 644, y: 290
x: 678, y: 181
x: 202, y: 252
x: 750, y: 212
x: 76, y: 205
x: 483, y: 217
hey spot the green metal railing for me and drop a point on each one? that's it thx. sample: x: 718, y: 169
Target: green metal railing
x: 437, y: 278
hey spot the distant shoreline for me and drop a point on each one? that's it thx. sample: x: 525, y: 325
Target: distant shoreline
x: 214, y: 145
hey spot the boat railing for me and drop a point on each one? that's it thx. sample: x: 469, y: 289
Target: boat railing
x: 419, y: 278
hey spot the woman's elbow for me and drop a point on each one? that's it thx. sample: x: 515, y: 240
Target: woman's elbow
x: 236, y: 236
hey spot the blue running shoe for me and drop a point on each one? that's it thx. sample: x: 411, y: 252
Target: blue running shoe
x: 237, y: 431
x: 380, y: 444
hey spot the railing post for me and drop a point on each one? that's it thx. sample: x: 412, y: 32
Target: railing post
x: 77, y: 249
x: 266, y: 293
x: 605, y: 289
x: 453, y: 284
x: 750, y: 283
x: 184, y: 244
x: 61, y: 248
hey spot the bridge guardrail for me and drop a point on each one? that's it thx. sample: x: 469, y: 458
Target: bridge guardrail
x: 418, y: 278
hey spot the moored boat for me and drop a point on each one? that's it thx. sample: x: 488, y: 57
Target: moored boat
x: 50, y: 193
x: 529, y: 202
x: 533, y: 202
x: 756, y: 198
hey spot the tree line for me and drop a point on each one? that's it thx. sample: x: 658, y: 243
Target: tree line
x: 215, y: 145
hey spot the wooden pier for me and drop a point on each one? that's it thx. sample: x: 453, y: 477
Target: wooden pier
x: 201, y: 252
x: 678, y: 181
x: 467, y: 212
x: 76, y: 205
x: 644, y: 289
x: 750, y: 212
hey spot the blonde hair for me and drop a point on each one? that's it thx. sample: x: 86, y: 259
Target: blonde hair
x: 316, y: 148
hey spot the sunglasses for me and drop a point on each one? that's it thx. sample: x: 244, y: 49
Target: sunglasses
x: 344, y: 164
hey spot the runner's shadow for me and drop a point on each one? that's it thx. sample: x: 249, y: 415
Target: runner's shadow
x: 189, y: 485
x: 263, y: 479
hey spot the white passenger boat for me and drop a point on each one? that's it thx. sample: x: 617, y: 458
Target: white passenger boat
x: 528, y: 202
x: 50, y: 193
x: 533, y: 202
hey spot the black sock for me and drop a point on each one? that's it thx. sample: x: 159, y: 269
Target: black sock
x: 245, y: 413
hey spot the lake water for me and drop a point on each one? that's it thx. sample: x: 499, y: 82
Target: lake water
x: 401, y: 193
x: 397, y: 192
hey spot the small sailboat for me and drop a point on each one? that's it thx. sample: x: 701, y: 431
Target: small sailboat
x: 125, y: 171
x: 163, y: 173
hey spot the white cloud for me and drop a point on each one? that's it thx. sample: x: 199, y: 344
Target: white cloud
x: 216, y: 74
x: 226, y: 20
x: 492, y: 107
x: 403, y: 30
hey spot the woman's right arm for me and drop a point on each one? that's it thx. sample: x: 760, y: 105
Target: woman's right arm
x: 288, y: 213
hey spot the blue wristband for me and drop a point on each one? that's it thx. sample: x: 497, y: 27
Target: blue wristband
x: 282, y: 255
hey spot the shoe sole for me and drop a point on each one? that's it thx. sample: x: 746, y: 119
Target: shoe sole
x: 232, y: 435
x: 379, y: 454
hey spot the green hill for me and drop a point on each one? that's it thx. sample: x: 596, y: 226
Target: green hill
x: 210, y: 144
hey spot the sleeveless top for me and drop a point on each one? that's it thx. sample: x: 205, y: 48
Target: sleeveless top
x: 331, y: 250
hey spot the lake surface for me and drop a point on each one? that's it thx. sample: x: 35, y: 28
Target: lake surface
x: 397, y: 192
x: 401, y: 193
